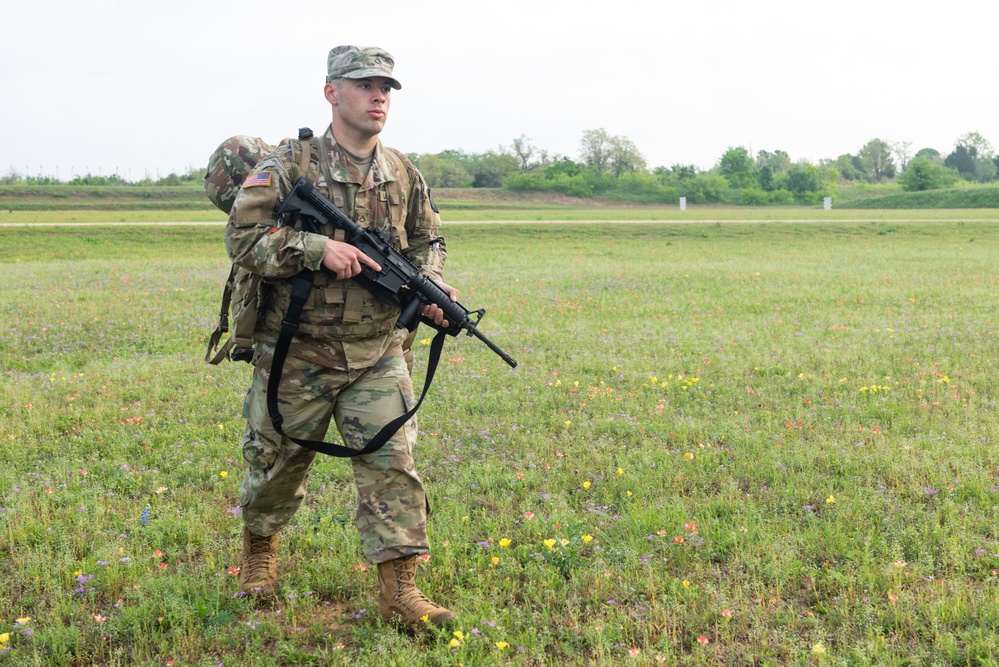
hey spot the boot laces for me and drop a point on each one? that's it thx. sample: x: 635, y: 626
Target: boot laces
x: 260, y: 556
x: 409, y: 594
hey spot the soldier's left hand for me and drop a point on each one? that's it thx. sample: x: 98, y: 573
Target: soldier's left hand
x: 433, y: 312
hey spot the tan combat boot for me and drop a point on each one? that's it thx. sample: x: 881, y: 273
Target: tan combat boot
x: 400, y: 598
x: 258, y: 574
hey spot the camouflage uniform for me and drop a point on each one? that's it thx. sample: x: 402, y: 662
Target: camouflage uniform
x: 346, y: 362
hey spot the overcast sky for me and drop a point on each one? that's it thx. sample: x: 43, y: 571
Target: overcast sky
x: 139, y: 87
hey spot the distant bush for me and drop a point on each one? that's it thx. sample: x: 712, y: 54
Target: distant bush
x: 922, y: 173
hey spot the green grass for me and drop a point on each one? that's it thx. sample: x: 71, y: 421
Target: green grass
x: 780, y: 438
x: 982, y: 197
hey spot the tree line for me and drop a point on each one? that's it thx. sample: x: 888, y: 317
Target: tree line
x: 613, y: 166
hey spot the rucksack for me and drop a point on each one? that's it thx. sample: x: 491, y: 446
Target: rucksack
x: 244, y: 291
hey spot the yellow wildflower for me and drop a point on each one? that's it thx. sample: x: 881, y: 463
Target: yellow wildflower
x: 505, y: 542
x: 587, y: 539
x: 550, y: 544
x: 501, y: 645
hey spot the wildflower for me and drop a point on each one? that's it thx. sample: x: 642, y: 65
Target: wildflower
x: 233, y: 571
x: 690, y: 527
x: 496, y: 560
x: 587, y: 539
x: 586, y: 485
x: 830, y: 500
x: 424, y: 558
x: 678, y: 539
x: 620, y: 472
x: 550, y: 544
x: 505, y: 542
x: 727, y: 613
x: 629, y: 494
x: 818, y: 649
x: 99, y: 618
x: 224, y: 473
x: 23, y: 621
x: 146, y: 514
x: 161, y: 489
x: 3, y: 639
x: 424, y: 341
x: 458, y: 635
x: 528, y: 515
x: 686, y: 584
x: 688, y: 456
x: 501, y: 645
x: 163, y: 566
x: 565, y: 542
x: 567, y: 422
x: 702, y: 640
x: 899, y: 563
x: 361, y: 567
x: 425, y: 618
x: 634, y: 651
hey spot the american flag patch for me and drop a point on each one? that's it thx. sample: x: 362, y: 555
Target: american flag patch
x: 254, y: 180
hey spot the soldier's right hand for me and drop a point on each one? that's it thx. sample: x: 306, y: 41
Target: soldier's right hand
x: 346, y: 260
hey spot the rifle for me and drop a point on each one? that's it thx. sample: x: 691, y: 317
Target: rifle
x: 399, y: 283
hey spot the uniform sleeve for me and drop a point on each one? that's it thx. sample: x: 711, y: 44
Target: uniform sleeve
x: 427, y: 250
x: 252, y: 237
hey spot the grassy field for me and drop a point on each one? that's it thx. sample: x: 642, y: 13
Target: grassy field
x: 725, y: 444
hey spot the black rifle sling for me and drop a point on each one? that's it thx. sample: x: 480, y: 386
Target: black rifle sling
x: 300, y: 289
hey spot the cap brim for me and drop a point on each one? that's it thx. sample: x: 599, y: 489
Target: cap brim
x: 370, y: 74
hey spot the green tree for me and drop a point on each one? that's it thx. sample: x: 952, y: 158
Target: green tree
x: 443, y: 173
x: 876, y: 156
x: 489, y: 169
x: 625, y: 157
x: 596, y: 149
x: 778, y: 161
x: 973, y: 158
x: 931, y: 153
x: 738, y: 168
x: 926, y: 174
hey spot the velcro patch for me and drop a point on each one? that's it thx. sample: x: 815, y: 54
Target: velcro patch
x: 258, y: 179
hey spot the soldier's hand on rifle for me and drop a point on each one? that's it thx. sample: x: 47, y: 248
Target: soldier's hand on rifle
x: 345, y: 260
x: 432, y: 312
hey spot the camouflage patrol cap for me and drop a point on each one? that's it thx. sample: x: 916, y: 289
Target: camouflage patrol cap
x: 360, y: 62
x: 229, y: 166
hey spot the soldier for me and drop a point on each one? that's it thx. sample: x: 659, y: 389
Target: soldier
x: 346, y: 362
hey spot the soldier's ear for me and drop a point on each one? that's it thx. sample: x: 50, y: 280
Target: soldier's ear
x: 330, y: 91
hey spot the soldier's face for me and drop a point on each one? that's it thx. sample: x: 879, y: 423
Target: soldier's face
x: 362, y: 105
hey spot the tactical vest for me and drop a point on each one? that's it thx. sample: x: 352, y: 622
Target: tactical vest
x: 343, y: 309
x: 336, y: 308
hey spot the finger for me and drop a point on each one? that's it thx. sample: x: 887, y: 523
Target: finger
x: 368, y: 261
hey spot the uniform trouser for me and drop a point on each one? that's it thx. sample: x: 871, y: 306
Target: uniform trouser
x: 391, y: 513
